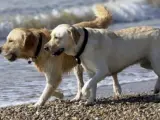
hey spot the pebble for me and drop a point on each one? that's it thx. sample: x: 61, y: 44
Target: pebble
x: 128, y: 107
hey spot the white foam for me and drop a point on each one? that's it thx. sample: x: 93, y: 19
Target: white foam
x: 121, y: 12
x: 16, y: 103
x: 129, y: 12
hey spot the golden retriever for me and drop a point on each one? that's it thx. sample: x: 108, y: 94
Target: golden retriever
x: 23, y: 43
x: 106, y: 53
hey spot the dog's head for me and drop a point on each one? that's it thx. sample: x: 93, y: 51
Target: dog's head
x: 63, y: 39
x: 20, y: 43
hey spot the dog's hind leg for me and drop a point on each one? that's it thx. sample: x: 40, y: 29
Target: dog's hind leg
x: 155, y: 58
x: 157, y: 86
x: 116, y: 87
x: 78, y: 71
x: 146, y: 64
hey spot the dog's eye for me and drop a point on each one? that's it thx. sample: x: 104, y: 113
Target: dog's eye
x: 10, y: 41
x: 55, y: 37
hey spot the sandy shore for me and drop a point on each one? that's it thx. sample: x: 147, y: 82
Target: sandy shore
x: 137, y: 103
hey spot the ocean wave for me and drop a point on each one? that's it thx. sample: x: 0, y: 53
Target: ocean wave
x: 121, y: 12
x: 133, y: 12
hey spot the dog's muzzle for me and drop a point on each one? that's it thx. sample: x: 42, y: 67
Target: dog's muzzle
x: 58, y: 52
x: 12, y: 57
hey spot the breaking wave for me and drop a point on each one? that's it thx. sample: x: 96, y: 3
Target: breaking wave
x: 121, y: 12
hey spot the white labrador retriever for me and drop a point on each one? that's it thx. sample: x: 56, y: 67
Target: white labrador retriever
x: 105, y: 52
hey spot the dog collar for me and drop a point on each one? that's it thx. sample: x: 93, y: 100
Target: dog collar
x: 38, y: 49
x: 82, y: 47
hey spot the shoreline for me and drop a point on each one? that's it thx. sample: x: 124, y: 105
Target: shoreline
x: 107, y: 91
x: 128, y: 88
x: 137, y: 98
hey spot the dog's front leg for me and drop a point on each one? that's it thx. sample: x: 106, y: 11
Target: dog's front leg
x: 53, y: 79
x: 47, y: 92
x: 78, y: 71
x: 92, y: 95
x: 92, y: 83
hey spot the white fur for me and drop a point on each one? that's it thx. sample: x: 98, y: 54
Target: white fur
x: 107, y: 53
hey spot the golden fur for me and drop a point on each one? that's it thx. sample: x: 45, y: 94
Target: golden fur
x: 22, y: 43
x: 103, y: 20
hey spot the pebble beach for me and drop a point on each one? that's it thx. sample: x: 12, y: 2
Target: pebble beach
x: 21, y: 85
x: 132, y: 105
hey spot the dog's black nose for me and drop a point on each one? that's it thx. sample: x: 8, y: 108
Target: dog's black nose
x: 46, y: 48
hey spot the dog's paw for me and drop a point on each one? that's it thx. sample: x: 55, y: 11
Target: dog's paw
x: 37, y: 104
x: 156, y: 91
x: 89, y: 102
x: 76, y: 98
x: 31, y: 106
x: 117, y: 97
x: 117, y: 93
x: 60, y: 96
x: 86, y: 93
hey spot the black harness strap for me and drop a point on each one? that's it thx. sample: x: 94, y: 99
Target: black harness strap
x: 82, y: 47
x: 38, y: 49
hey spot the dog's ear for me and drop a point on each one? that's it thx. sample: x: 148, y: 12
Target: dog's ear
x: 29, y: 40
x: 74, y: 34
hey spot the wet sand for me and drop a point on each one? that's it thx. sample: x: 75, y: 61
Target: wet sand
x: 137, y: 103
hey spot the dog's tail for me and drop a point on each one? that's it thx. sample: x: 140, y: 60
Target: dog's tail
x: 103, y: 18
